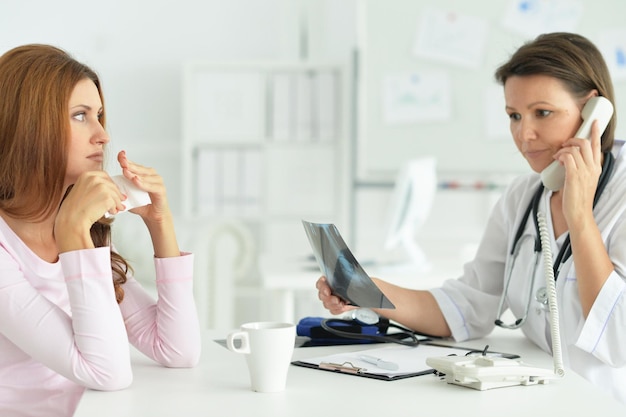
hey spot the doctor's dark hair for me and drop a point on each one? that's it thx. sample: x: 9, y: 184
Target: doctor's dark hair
x: 36, y: 82
x: 572, y: 59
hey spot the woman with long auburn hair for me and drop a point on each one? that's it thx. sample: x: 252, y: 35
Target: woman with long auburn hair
x: 69, y: 303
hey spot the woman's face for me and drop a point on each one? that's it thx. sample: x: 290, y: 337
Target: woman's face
x: 88, y: 137
x: 543, y: 115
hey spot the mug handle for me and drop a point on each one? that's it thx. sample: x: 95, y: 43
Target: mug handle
x: 245, y: 342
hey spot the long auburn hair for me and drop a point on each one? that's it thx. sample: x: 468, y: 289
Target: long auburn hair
x: 36, y: 82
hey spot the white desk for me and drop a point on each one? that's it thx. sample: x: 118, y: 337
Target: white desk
x: 219, y: 386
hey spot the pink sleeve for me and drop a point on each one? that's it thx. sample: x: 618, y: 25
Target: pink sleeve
x: 166, y: 330
x: 91, y: 346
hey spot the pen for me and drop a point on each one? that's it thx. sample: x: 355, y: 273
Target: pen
x: 390, y: 366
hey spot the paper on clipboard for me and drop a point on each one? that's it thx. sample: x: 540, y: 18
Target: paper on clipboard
x: 411, y: 361
x: 345, y: 275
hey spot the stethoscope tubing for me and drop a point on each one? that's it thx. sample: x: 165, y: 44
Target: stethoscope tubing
x: 564, y: 253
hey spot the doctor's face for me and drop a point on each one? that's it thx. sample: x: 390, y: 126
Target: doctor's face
x: 543, y: 115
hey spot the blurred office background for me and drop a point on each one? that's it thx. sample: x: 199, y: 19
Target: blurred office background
x: 261, y: 113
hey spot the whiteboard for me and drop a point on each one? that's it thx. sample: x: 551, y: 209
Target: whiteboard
x: 468, y: 133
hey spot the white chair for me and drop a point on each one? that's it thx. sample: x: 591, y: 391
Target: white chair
x: 224, y: 252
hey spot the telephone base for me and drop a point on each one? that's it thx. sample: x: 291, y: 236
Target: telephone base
x: 484, y: 372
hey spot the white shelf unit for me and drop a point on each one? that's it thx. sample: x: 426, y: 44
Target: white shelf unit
x: 266, y: 143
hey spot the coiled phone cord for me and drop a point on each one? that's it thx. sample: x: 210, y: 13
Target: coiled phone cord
x: 555, y: 332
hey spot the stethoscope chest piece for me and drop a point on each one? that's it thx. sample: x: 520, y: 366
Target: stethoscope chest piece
x: 542, y: 295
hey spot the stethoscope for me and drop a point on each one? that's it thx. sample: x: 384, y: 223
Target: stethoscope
x: 541, y: 295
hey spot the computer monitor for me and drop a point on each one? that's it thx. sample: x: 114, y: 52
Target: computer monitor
x: 410, y: 205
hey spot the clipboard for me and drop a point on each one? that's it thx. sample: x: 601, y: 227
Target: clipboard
x: 411, y: 361
x: 351, y: 369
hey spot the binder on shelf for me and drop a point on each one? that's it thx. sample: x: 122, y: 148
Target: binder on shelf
x: 281, y: 107
x: 304, y: 107
x: 252, y: 182
x: 231, y: 179
x: 206, y: 178
x: 327, y: 106
x: 228, y: 181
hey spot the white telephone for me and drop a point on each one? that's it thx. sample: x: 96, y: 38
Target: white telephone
x: 482, y: 372
x: 597, y: 108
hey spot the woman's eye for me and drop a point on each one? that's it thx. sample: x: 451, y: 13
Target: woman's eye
x: 515, y: 116
x: 543, y: 113
x: 79, y: 116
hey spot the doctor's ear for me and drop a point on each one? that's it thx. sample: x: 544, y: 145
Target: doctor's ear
x: 590, y: 94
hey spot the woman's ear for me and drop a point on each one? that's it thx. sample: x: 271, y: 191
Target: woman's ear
x: 584, y: 100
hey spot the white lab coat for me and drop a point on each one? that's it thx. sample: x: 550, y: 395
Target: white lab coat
x: 594, y: 347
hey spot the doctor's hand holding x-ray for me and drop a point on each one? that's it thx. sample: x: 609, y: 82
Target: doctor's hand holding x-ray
x: 546, y: 82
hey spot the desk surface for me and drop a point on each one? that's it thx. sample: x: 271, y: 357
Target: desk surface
x: 219, y: 386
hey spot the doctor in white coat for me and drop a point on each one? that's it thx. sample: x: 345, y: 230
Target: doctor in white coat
x: 546, y: 84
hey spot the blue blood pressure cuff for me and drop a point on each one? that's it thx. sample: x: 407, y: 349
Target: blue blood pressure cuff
x: 324, y: 332
x: 311, y: 327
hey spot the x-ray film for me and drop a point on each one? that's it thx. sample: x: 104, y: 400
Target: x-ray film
x: 344, y: 273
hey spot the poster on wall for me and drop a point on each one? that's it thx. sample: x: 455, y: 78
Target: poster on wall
x: 612, y: 44
x: 533, y: 17
x: 416, y: 97
x: 452, y: 38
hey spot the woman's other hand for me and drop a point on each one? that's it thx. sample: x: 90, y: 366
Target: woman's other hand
x: 147, y: 179
x: 157, y: 215
x: 85, y: 202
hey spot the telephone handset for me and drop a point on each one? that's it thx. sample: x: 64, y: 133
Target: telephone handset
x: 597, y: 108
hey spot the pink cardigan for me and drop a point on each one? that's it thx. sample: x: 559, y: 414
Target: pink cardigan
x: 62, y: 331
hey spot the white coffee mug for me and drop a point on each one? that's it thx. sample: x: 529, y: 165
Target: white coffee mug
x: 268, y: 347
